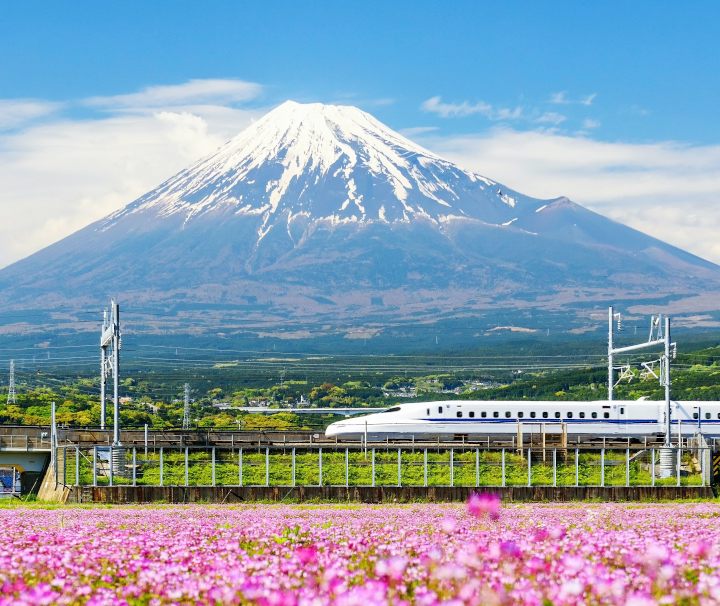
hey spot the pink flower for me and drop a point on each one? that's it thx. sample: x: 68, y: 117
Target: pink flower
x: 448, y: 525
x: 307, y: 554
x: 480, y: 504
x: 700, y: 549
x: 392, y: 568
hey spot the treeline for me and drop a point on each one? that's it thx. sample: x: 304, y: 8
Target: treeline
x: 215, y: 399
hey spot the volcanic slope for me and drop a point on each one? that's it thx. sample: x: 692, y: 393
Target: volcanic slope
x: 321, y: 216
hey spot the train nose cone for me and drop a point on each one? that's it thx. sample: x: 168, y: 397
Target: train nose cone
x: 334, y: 429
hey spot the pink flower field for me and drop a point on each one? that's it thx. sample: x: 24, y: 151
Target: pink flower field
x: 363, y: 555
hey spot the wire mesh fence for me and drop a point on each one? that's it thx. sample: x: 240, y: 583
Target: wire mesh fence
x: 381, y: 466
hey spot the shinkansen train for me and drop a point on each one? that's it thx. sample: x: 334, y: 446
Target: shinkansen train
x: 633, y: 418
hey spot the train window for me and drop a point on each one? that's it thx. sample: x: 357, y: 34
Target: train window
x: 545, y: 415
x: 719, y: 415
x: 496, y: 414
x: 594, y: 415
x: 459, y: 414
x: 483, y: 414
x: 472, y: 413
x: 695, y: 415
x: 569, y: 415
x: 582, y: 415
x: 533, y: 414
x: 557, y: 415
x: 606, y: 415
x: 508, y: 414
x: 622, y: 410
x: 428, y: 411
x: 707, y: 415
x: 440, y: 409
x: 521, y: 414
x: 393, y: 409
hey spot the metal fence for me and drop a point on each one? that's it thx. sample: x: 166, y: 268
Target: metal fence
x: 381, y: 466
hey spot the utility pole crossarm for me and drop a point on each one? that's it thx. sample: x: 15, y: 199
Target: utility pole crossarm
x: 630, y: 348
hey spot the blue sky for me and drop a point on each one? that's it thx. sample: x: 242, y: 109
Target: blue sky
x: 653, y: 66
x: 585, y: 99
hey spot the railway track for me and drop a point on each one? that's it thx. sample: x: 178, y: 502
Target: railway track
x: 228, y: 439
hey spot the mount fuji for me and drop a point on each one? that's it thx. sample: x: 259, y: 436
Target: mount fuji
x: 319, y: 220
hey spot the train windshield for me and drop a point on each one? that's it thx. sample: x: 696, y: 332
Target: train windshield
x: 393, y: 409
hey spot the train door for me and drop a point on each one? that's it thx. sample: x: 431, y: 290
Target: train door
x: 620, y: 418
x: 697, y: 414
x: 608, y: 417
x: 685, y: 417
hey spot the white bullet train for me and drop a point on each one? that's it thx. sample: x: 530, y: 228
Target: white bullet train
x: 627, y: 418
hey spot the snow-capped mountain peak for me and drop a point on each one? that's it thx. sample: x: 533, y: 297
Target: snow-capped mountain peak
x: 332, y: 163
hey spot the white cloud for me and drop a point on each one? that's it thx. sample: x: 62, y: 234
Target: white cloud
x: 17, y: 112
x: 669, y: 190
x: 435, y: 105
x: 589, y: 123
x: 553, y: 118
x: 60, y: 175
x: 192, y: 92
x: 561, y: 98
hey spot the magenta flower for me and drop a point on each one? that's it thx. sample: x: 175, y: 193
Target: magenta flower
x: 307, y: 555
x: 279, y: 555
x: 480, y: 504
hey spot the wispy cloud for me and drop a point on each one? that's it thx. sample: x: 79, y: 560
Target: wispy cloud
x: 589, y: 124
x: 192, y: 92
x: 562, y: 98
x: 670, y: 190
x: 552, y: 118
x: 435, y: 105
x: 17, y: 112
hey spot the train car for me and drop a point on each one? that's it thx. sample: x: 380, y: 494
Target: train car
x: 623, y: 418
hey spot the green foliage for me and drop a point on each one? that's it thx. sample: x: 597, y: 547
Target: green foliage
x: 218, y: 393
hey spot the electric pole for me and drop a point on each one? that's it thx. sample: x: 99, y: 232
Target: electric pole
x: 110, y: 344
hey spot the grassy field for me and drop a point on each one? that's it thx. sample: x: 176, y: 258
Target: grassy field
x: 460, y: 467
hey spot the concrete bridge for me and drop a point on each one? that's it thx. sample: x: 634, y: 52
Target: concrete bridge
x: 25, y: 452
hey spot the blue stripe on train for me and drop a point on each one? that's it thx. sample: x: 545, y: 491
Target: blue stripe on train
x: 528, y: 420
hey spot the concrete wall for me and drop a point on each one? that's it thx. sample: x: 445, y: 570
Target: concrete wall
x: 209, y: 494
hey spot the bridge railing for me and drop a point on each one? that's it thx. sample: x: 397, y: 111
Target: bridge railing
x: 382, y: 466
x: 24, y: 442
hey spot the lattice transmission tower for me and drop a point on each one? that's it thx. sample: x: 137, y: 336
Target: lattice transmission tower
x: 11, y: 399
x: 186, y: 407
